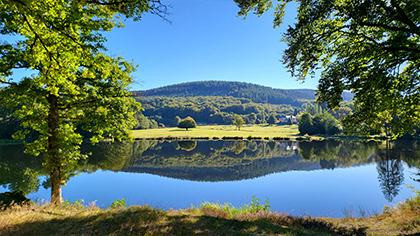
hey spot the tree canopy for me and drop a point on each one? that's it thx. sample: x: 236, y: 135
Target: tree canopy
x: 207, y: 109
x: 272, y: 119
x: 74, y: 84
x: 238, y: 121
x: 371, y: 48
x: 305, y: 124
x: 187, y: 123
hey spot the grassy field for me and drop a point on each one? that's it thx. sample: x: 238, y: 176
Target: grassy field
x: 207, y: 219
x: 220, y: 131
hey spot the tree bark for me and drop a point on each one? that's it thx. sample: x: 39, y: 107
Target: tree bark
x: 52, y: 153
x: 56, y: 187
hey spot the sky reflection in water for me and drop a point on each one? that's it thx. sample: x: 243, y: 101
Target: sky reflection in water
x: 310, y: 191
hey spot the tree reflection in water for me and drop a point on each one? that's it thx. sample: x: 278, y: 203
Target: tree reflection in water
x: 220, y: 160
x: 389, y: 165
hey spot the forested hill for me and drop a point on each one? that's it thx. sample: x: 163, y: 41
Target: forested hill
x: 257, y: 93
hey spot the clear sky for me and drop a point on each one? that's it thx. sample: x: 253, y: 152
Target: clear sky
x: 205, y: 41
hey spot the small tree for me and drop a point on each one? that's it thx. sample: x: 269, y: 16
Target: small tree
x: 272, y: 120
x: 289, y: 121
x: 305, y: 125
x: 262, y: 116
x: 186, y: 123
x: 238, y: 121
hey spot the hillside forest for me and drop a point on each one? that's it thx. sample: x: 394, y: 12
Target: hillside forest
x: 217, y: 102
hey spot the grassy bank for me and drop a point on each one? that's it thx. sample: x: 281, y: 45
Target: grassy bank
x: 220, y: 131
x: 207, y: 219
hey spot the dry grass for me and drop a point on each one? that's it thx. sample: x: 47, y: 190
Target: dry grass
x: 211, y: 219
x: 402, y: 219
x: 144, y: 220
x: 407, y: 214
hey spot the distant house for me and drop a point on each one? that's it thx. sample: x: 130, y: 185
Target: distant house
x: 283, y: 119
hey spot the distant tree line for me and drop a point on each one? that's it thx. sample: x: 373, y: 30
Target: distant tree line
x: 256, y: 93
x: 208, y: 110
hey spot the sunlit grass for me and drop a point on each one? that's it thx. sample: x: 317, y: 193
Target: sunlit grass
x: 72, y: 218
x: 229, y: 211
x: 221, y: 131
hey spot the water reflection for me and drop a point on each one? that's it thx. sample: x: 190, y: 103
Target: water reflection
x: 214, y: 161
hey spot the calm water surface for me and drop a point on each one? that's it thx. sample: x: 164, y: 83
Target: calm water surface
x: 301, y: 178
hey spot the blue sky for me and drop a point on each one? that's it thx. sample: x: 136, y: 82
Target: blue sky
x: 206, y: 41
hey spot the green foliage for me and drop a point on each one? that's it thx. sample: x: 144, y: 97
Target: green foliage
x: 312, y: 109
x: 305, y: 124
x: 118, y: 204
x: 371, y: 48
x: 262, y: 116
x: 143, y: 122
x: 253, y: 207
x: 207, y: 110
x: 78, y: 203
x: 251, y: 92
x: 321, y: 123
x: 74, y: 84
x: 341, y: 112
x: 176, y: 121
x: 252, y: 118
x: 271, y: 120
x: 289, y: 121
x: 256, y: 206
x: 238, y: 121
x: 8, y: 123
x: 187, y: 123
x: 9, y: 199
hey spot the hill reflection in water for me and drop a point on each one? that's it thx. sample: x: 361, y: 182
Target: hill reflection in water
x: 227, y: 162
x: 238, y: 160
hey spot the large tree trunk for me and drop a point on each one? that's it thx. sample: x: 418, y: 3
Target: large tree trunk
x: 56, y: 187
x: 53, y: 147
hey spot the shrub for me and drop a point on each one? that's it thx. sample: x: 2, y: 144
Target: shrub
x: 118, y: 204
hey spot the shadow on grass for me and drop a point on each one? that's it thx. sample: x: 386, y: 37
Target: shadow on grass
x: 144, y: 220
x: 178, y: 130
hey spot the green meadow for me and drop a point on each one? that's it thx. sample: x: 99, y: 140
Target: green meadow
x: 220, y: 131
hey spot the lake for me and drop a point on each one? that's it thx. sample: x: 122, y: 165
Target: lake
x: 319, y: 178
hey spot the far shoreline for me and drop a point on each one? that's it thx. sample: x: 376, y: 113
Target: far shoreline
x: 231, y: 133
